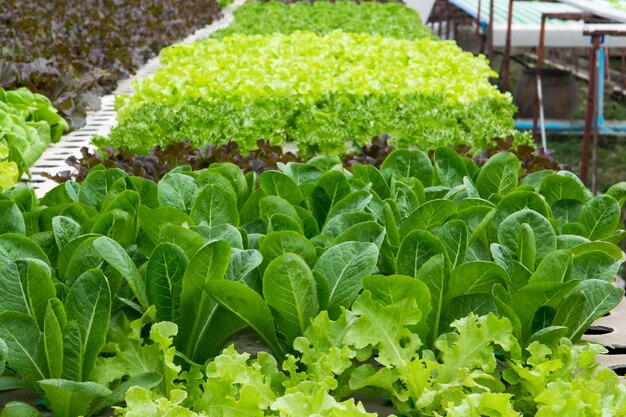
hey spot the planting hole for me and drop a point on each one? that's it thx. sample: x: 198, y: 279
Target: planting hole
x: 619, y: 370
x: 616, y: 350
x: 595, y: 330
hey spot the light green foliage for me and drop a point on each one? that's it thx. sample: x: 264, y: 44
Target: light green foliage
x: 464, y: 375
x: 322, y: 91
x: 118, y: 282
x: 391, y: 20
x: 28, y: 124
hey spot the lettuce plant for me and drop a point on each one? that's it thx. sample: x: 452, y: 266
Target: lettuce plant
x: 478, y: 368
x: 322, y: 92
x: 72, y: 52
x: 215, y: 251
x: 28, y: 124
x: 386, y: 19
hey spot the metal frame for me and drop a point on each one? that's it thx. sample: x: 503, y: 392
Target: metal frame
x: 538, y: 105
x: 594, y: 117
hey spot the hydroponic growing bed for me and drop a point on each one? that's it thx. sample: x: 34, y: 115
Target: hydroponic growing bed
x: 449, y: 285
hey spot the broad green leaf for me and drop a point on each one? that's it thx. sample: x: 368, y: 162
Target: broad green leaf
x: 117, y: 225
x: 11, y: 219
x: 567, y: 211
x: 575, y: 228
x: 595, y: 264
x: 14, y: 291
x: 236, y: 178
x: 214, y: 205
x: 599, y: 298
x: 370, y: 232
x: 555, y: 266
x: 277, y: 183
x: 37, y: 288
x: 609, y: 248
x: 151, y: 220
x: 147, y: 190
x: 475, y: 218
x: 271, y: 205
x: 356, y: 201
x: 329, y: 189
x: 565, y: 241
x: 618, y: 192
x: 302, y: 173
x: 126, y: 201
x: 527, y: 247
x: 344, y: 266
x: 71, y: 398
x: 309, y: 224
x: 514, y: 202
x: 532, y: 297
x: 19, y: 409
x: 428, y: 216
x: 393, y: 288
x: 117, y: 257
x: 248, y: 305
x: 89, y: 304
x: 196, y: 308
x: 405, y: 198
x: 279, y: 243
x: 342, y: 222
x: 73, y: 352
x: 188, y: 240
x: 95, y: 187
x: 435, y: 274
x: 24, y: 343
x: 53, y: 342
x: 498, y: 175
x: 164, y: 277
x: 556, y: 187
x: 279, y: 222
x: 178, y: 191
x: 449, y: 166
x: 65, y: 230
x: 475, y: 278
x: 370, y: 175
x: 4, y: 352
x: 534, y: 179
x: 226, y: 232
x: 453, y: 235
x: 417, y: 248
x: 290, y: 291
x: 14, y: 246
x: 242, y: 264
x: 510, y: 231
x: 404, y: 163
x: 147, y: 380
x: 600, y: 216
x: 464, y: 305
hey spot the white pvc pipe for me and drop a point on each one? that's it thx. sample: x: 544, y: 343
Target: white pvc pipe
x: 423, y: 7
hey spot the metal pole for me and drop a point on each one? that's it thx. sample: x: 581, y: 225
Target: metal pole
x: 538, y: 96
x: 479, y: 24
x: 591, y: 107
x: 507, y: 49
x: 490, y: 33
x: 623, y: 68
x: 598, y: 119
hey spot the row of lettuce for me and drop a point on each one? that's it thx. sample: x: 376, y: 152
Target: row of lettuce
x: 326, y: 76
x: 28, y: 124
x: 74, y: 52
x: 451, y: 289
